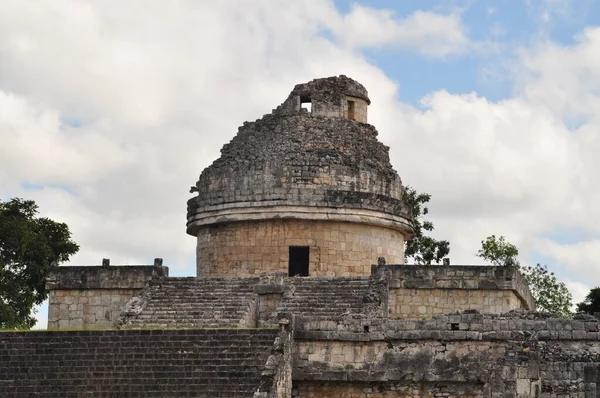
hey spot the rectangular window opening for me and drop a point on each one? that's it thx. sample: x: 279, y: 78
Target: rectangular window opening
x: 306, y: 103
x: 298, y: 262
x: 351, y: 110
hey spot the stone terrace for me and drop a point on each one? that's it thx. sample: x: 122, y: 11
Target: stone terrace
x: 397, y: 291
x: 516, y: 354
x: 134, y: 363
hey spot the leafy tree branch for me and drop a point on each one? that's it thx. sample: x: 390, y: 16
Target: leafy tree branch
x: 422, y: 249
x: 28, y: 245
x: 548, y: 292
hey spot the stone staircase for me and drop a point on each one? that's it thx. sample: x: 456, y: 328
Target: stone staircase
x: 192, y: 302
x: 134, y: 363
x: 214, y: 302
x: 324, y: 296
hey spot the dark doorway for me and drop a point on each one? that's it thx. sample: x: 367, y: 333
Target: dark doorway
x: 299, y: 260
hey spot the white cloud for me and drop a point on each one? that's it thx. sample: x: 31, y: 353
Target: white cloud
x: 550, y: 14
x: 523, y: 167
x: 579, y: 257
x: 158, y: 88
x: 555, y: 84
x: 37, y: 147
x: 565, y: 79
x: 497, y: 30
x: 430, y: 33
x: 491, y: 167
x: 579, y: 291
x: 545, y: 17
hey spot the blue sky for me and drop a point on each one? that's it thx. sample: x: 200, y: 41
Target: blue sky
x: 490, y: 106
x: 505, y: 25
x: 502, y: 28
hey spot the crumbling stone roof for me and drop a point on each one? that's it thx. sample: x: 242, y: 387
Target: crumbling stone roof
x: 297, y: 158
x: 330, y: 89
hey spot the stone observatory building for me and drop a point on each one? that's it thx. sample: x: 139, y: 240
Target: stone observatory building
x: 305, y: 192
x: 301, y: 290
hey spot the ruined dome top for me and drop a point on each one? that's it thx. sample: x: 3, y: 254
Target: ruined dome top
x: 292, y: 163
x: 331, y: 89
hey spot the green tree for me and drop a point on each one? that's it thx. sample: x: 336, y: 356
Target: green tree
x: 498, y: 251
x: 422, y: 249
x: 548, y: 292
x: 591, y: 304
x: 28, y: 245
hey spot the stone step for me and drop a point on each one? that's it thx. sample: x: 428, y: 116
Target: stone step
x: 226, y: 301
x: 225, y: 362
x: 323, y: 296
x: 174, y: 307
x: 191, y: 301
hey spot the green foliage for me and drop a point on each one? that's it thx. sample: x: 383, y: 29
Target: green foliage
x: 591, y: 304
x: 549, y: 294
x: 498, y: 251
x: 422, y: 249
x: 28, y: 245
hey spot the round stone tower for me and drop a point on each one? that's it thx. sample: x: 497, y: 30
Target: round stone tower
x: 304, y: 190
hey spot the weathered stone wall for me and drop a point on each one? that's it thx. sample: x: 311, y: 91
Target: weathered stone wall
x: 86, y: 308
x: 291, y: 164
x: 569, y: 367
x: 92, y: 296
x: 273, y: 155
x: 299, y: 167
x: 328, y: 97
x: 395, y: 359
x: 277, y: 374
x: 427, y: 303
x: 360, y: 109
x: 336, y: 248
x: 341, y: 108
x: 317, y: 389
x: 267, y: 305
x: 421, y: 292
x: 518, y: 354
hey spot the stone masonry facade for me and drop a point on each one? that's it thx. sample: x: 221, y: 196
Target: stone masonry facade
x: 423, y: 292
x: 300, y: 192
x: 384, y: 390
x: 94, y: 296
x: 426, y: 303
x: 464, y: 354
x: 517, y: 354
x: 336, y: 248
x: 79, y: 308
x: 148, y: 298
x: 335, y: 97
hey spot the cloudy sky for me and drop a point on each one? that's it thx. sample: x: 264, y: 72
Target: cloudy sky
x: 110, y: 110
